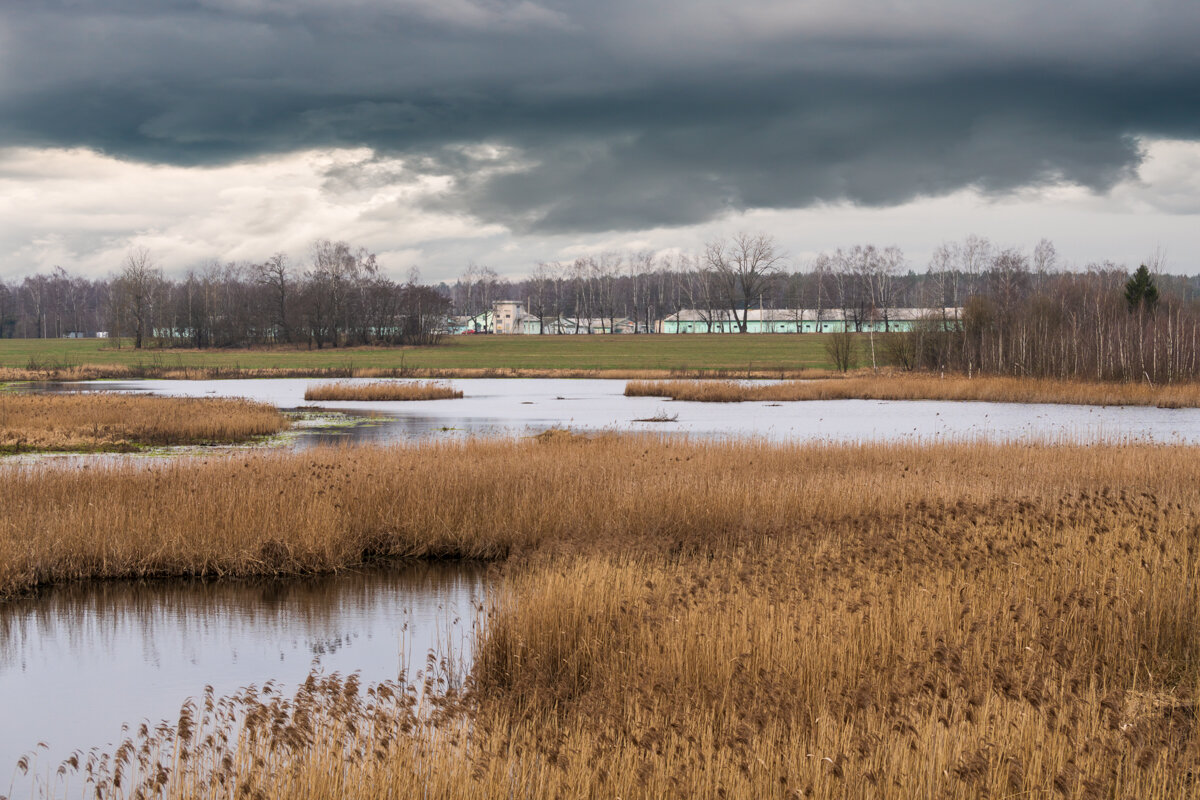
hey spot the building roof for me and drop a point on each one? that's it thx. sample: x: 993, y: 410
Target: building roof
x: 808, y: 314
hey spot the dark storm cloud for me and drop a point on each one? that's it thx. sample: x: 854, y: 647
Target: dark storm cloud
x: 616, y: 115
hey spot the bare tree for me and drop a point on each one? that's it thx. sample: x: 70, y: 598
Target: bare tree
x: 974, y: 254
x: 641, y: 268
x: 939, y: 277
x: 581, y: 272
x: 700, y: 288
x: 891, y: 262
x: 745, y: 264
x: 606, y: 270
x: 1157, y: 261
x: 275, y: 275
x: 1045, y: 259
x: 137, y: 287
x: 847, y: 286
x: 839, y: 347
x: 821, y: 268
x: 480, y: 288
x: 541, y: 294
x: 194, y: 301
x: 36, y: 289
x: 877, y: 270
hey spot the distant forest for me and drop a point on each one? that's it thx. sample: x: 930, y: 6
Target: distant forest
x: 1021, y: 313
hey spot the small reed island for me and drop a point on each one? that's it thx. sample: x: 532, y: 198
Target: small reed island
x: 112, y: 422
x: 383, y: 391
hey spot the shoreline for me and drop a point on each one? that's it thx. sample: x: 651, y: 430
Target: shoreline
x: 918, y: 386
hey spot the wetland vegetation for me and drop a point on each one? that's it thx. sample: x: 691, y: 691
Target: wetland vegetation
x: 118, y: 422
x: 382, y: 391
x: 684, y: 619
x: 675, y: 617
x: 905, y: 386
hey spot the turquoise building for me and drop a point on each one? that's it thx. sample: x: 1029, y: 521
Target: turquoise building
x: 805, y: 320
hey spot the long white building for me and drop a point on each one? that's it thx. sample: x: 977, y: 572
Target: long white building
x: 803, y: 320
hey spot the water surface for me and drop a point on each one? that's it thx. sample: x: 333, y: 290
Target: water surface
x: 520, y: 407
x: 78, y: 662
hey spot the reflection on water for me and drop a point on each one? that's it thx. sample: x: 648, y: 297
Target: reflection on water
x: 364, y: 428
x: 378, y: 428
x: 77, y: 662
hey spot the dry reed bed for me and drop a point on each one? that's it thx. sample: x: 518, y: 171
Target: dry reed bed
x: 927, y: 387
x: 160, y: 372
x: 385, y: 391
x: 280, y: 512
x: 113, y: 421
x: 695, y: 620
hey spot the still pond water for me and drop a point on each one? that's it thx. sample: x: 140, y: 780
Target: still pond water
x: 510, y: 407
x: 78, y: 662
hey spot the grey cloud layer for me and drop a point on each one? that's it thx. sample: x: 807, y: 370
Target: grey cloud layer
x: 617, y: 115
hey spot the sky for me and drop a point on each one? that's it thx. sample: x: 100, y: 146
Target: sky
x: 439, y: 133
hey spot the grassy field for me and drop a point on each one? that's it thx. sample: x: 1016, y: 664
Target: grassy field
x: 925, y: 387
x: 874, y: 621
x: 650, y: 352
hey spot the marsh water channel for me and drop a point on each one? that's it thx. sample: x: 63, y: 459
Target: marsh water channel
x: 523, y: 407
x: 78, y: 662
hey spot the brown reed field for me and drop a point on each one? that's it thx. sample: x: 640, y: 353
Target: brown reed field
x: 382, y: 390
x: 925, y: 387
x: 110, y: 421
x: 686, y: 619
x: 87, y: 372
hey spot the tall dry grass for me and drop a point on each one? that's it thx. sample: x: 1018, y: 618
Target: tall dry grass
x: 85, y: 372
x: 927, y: 387
x: 382, y: 390
x: 686, y: 619
x: 279, y: 512
x: 113, y: 421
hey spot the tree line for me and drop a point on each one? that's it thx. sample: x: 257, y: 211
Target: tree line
x: 1103, y: 324
x: 993, y: 309
x: 340, y: 297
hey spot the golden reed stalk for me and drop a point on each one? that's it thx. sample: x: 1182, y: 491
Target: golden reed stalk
x: 112, y: 421
x: 926, y: 387
x: 382, y: 391
x: 279, y: 512
x: 156, y: 372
